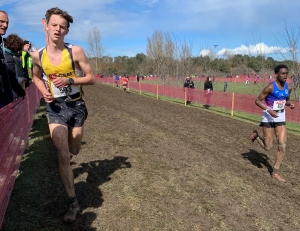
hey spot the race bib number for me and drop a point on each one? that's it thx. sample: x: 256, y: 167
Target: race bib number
x: 279, y: 104
x: 62, y: 91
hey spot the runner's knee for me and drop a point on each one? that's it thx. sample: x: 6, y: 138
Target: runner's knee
x: 75, y: 149
x: 281, y: 146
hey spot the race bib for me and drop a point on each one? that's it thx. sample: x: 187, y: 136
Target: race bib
x: 62, y: 91
x: 278, y: 105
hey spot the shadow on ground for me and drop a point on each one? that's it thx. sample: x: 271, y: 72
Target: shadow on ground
x: 258, y: 159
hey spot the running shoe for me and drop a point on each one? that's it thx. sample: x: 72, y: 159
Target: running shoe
x: 71, y: 215
x: 253, y: 136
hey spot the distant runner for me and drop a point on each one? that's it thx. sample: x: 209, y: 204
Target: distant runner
x: 124, y: 83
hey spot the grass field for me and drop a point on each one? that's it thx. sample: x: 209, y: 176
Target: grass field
x: 239, y: 88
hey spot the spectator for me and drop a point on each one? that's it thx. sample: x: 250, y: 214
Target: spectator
x: 208, y: 88
x: 27, y: 62
x: 6, y: 95
x: 188, y: 87
x: 13, y: 48
x: 138, y: 77
x: 225, y: 86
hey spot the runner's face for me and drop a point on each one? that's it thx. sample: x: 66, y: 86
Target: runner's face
x: 3, y: 23
x: 282, y: 75
x: 57, y: 27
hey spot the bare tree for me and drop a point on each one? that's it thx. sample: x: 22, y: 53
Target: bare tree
x: 95, y: 49
x: 168, y: 56
x: 155, y: 51
x: 169, y: 67
x: 185, y: 58
x: 289, y: 39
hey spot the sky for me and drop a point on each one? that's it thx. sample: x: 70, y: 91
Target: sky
x: 209, y: 26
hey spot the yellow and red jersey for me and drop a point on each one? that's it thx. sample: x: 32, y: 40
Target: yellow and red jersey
x: 124, y: 80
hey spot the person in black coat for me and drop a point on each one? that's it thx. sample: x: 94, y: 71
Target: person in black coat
x: 13, y: 48
x: 208, y: 88
x: 6, y: 95
x: 189, y: 86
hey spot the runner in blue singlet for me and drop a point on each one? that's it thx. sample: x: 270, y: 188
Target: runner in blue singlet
x: 273, y: 100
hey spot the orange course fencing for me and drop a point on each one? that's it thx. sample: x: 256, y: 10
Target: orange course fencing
x: 265, y: 78
x: 232, y: 101
x: 16, y: 120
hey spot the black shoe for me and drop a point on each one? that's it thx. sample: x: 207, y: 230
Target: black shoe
x: 71, y: 215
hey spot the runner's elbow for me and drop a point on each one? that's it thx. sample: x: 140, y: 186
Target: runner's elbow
x: 93, y: 81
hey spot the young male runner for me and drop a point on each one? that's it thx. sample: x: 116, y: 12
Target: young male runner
x: 66, y: 110
x: 273, y: 100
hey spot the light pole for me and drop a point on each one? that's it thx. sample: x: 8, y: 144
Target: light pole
x: 215, y: 49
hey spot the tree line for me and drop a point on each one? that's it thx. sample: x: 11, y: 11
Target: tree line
x: 167, y: 55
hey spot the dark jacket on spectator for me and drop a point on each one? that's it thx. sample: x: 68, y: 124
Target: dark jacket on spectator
x: 6, y: 95
x: 208, y: 85
x: 189, y: 83
x: 14, y: 67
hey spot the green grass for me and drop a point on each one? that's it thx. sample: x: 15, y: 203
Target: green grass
x: 250, y: 118
x: 238, y: 88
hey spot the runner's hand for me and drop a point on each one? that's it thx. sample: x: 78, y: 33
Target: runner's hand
x: 59, y: 81
x: 273, y: 113
x: 292, y: 106
x: 48, y: 97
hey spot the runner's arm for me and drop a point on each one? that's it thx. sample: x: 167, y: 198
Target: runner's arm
x: 81, y: 60
x: 37, y: 77
x: 261, y: 97
x: 288, y: 102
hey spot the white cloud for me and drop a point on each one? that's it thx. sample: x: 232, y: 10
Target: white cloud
x: 252, y: 50
x: 206, y: 52
x: 257, y: 49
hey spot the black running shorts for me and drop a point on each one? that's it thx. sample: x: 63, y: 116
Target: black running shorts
x: 70, y: 114
x: 271, y: 124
